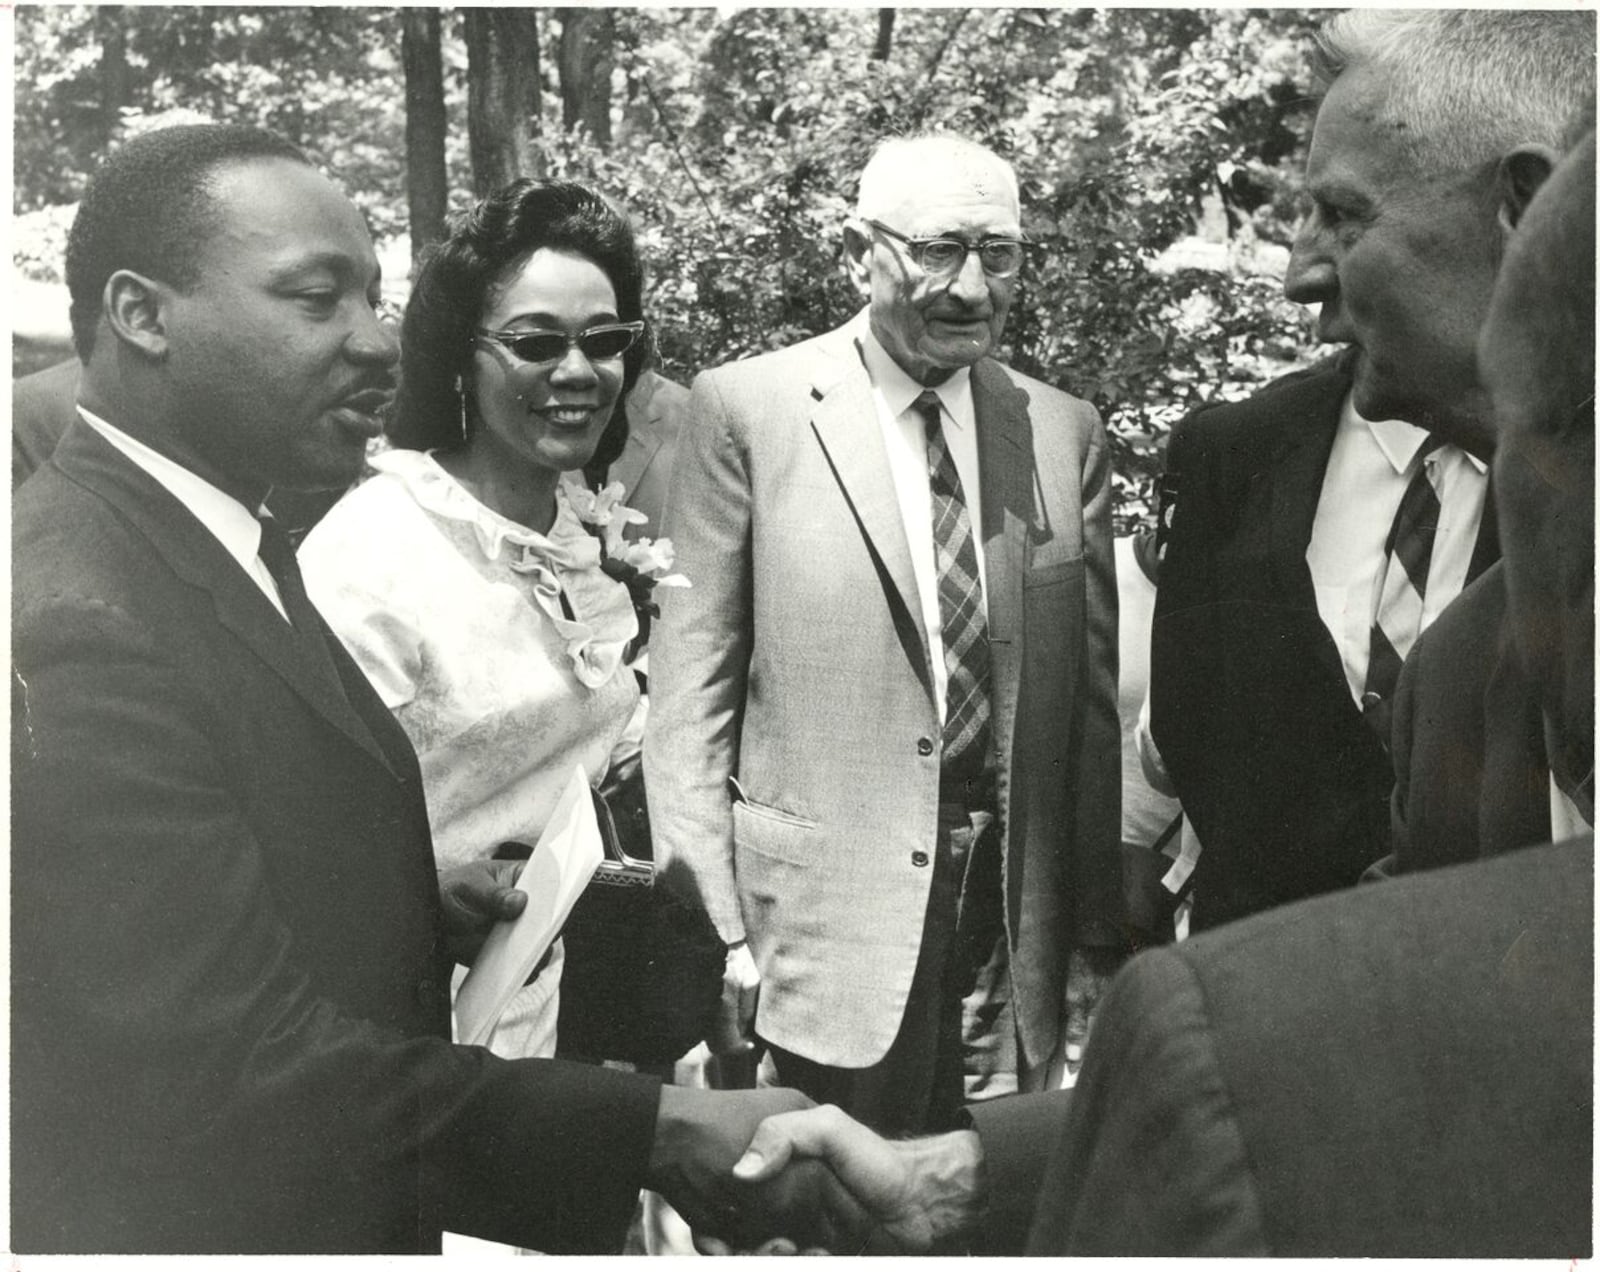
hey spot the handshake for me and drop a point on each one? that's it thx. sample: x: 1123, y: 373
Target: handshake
x: 763, y: 1172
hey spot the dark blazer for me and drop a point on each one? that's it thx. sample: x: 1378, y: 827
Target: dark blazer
x: 1403, y: 1070
x: 1471, y: 777
x: 230, y: 1006
x: 1286, y: 785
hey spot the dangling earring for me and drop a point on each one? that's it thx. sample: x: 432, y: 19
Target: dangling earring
x: 461, y: 397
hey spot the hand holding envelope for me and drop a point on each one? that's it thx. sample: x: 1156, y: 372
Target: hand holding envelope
x: 563, y: 862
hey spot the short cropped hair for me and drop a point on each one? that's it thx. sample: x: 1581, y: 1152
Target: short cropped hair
x: 1467, y: 85
x: 150, y: 208
x: 454, y: 284
x: 883, y: 180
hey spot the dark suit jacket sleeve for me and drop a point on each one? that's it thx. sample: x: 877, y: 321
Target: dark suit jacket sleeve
x: 1018, y: 1134
x: 164, y: 968
x: 1150, y: 1160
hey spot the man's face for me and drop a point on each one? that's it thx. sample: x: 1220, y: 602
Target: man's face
x: 928, y: 324
x: 1401, y: 262
x: 278, y: 368
x: 1533, y: 358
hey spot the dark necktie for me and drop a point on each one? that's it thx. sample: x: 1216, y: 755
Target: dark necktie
x: 277, y: 554
x: 1397, y: 621
x: 962, y: 617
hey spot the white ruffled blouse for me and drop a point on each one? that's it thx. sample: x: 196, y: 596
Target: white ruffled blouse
x: 455, y: 615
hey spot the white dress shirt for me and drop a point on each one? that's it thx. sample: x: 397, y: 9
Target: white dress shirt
x: 229, y: 521
x: 905, y: 438
x: 1369, y: 468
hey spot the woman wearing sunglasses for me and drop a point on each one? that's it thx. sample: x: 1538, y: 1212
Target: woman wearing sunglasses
x: 459, y: 574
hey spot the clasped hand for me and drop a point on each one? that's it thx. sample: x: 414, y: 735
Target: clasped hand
x: 817, y: 1180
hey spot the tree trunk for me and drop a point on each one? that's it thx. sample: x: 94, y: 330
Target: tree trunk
x: 880, y: 50
x: 427, y: 188
x: 502, y: 95
x: 587, y: 38
x: 115, y: 83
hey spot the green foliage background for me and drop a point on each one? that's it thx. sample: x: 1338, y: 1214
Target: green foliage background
x: 737, y: 138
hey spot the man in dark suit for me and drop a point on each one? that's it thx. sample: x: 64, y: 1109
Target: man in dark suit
x: 1404, y: 1069
x: 230, y: 989
x: 1277, y: 634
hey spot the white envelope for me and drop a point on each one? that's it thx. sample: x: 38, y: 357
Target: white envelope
x: 563, y: 862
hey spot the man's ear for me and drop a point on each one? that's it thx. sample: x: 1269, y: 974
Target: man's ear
x: 857, y: 243
x: 1522, y: 171
x: 136, y: 308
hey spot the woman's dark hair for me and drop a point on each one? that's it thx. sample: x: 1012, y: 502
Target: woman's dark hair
x: 454, y: 283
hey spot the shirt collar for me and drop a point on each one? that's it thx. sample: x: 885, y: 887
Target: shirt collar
x: 233, y: 525
x: 899, y: 390
x: 1398, y: 440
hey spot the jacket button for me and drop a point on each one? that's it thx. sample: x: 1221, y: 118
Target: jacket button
x: 919, y: 858
x: 924, y: 746
x: 425, y: 989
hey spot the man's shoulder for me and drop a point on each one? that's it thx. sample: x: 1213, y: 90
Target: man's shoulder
x: 1315, y: 392
x: 67, y: 541
x: 657, y: 405
x: 1433, y: 932
x: 1043, y: 398
x: 779, y: 368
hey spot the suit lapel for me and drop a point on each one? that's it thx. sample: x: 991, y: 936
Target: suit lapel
x: 1312, y: 410
x: 845, y: 420
x: 1296, y: 477
x: 194, y: 554
x: 643, y: 443
x: 1005, y: 476
x: 1487, y: 550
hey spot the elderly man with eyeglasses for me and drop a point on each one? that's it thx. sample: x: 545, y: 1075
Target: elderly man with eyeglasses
x: 883, y: 748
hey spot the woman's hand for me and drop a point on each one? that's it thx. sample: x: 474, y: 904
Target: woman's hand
x: 475, y: 897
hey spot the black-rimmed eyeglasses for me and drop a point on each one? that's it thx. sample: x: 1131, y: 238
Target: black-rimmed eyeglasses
x: 609, y: 340
x: 945, y: 255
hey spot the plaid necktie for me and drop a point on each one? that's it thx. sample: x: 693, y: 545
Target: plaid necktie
x: 1397, y: 621
x: 962, y: 617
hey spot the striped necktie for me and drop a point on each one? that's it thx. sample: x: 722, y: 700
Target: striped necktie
x: 277, y: 554
x: 962, y: 616
x: 1397, y: 620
